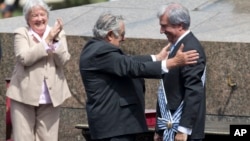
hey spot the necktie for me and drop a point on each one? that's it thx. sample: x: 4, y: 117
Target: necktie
x: 172, y: 48
x: 168, y: 122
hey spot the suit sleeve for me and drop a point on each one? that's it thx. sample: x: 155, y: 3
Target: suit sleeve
x: 61, y: 54
x: 194, y: 91
x: 25, y: 53
x: 122, y: 65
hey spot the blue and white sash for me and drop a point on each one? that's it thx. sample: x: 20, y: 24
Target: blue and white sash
x: 168, y: 122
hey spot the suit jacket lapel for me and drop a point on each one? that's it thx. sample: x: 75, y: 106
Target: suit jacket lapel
x: 177, y: 46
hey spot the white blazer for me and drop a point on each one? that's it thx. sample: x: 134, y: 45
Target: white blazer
x: 34, y: 65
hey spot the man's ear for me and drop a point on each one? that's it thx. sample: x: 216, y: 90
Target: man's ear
x: 110, y: 35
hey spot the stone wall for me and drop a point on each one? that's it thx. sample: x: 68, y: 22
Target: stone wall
x: 227, y: 63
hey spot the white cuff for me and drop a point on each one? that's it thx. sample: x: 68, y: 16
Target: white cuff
x: 153, y: 58
x: 164, y: 66
x: 185, y: 130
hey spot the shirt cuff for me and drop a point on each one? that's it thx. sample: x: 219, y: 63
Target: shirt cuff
x: 52, y: 47
x: 46, y: 45
x: 185, y: 130
x: 56, y: 45
x: 153, y: 58
x: 164, y: 66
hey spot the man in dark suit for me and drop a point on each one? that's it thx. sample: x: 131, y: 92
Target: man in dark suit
x: 184, y: 83
x: 113, y: 81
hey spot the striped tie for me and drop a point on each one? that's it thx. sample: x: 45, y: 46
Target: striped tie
x: 169, y: 123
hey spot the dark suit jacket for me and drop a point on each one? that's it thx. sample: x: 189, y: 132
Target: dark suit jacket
x: 115, y: 94
x: 184, y: 83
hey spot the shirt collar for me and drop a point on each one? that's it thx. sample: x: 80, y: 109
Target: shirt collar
x: 32, y: 32
x: 181, y: 37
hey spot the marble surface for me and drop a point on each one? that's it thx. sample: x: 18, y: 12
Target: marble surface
x: 212, y: 20
x: 221, y: 25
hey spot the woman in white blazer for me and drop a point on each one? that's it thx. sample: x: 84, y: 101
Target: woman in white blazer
x: 38, y: 86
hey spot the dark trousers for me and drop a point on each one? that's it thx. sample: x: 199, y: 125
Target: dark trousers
x: 130, y: 137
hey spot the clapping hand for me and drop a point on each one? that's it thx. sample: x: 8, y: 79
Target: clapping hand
x: 55, y: 30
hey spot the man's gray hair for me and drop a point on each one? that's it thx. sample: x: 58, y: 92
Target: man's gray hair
x: 176, y: 13
x: 29, y: 4
x: 105, y: 23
